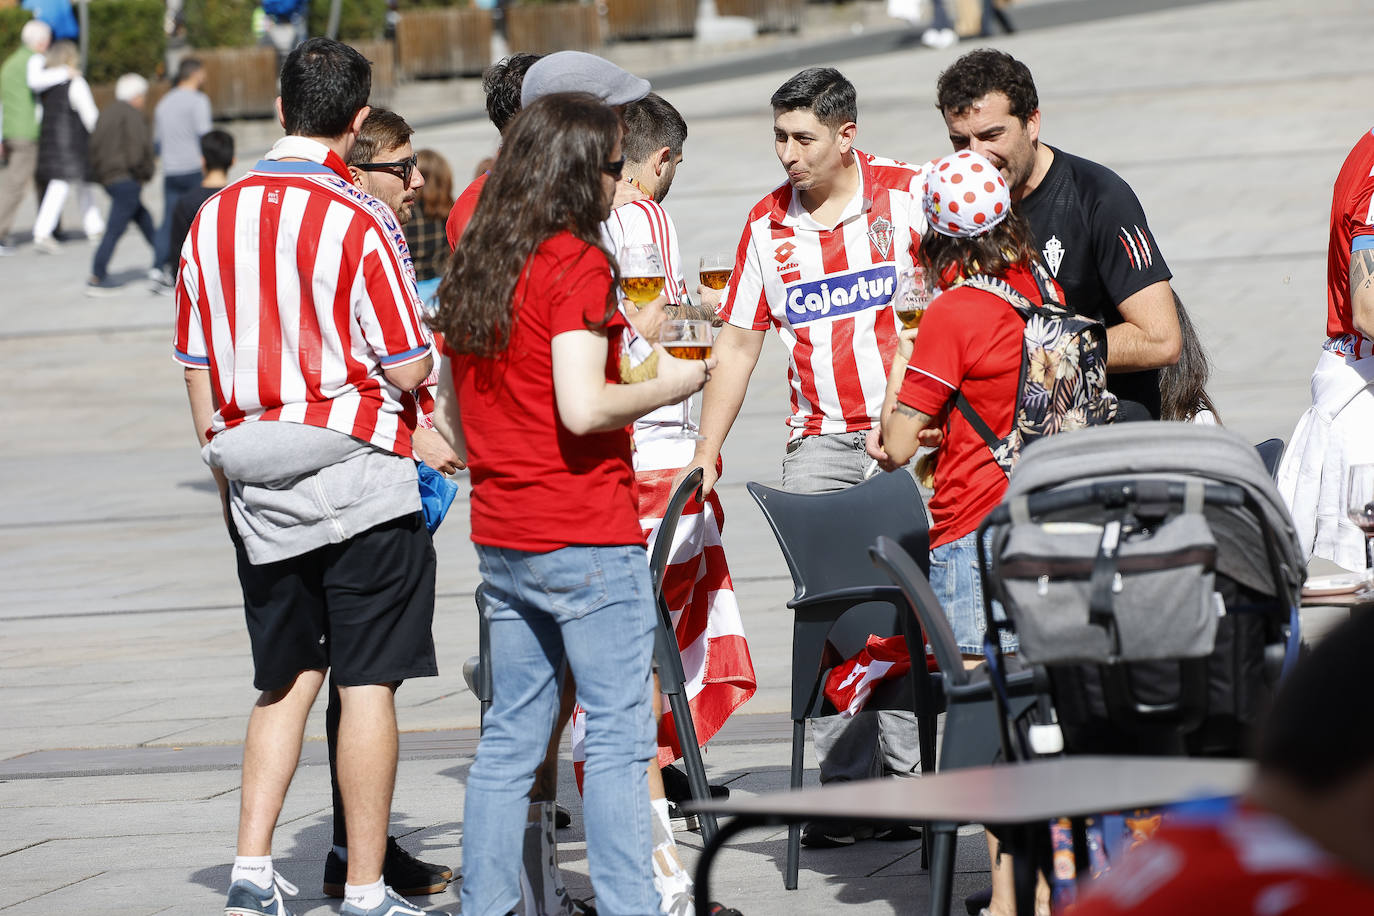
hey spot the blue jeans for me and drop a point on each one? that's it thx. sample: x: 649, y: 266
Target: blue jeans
x: 958, y: 582
x: 593, y: 607
x: 173, y: 186
x: 125, y: 207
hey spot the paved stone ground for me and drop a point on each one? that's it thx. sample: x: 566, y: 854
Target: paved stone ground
x: 123, y: 659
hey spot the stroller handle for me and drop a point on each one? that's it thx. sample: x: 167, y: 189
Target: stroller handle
x: 1112, y: 494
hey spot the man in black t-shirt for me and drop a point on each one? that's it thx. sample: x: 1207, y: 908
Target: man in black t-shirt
x: 1090, y: 227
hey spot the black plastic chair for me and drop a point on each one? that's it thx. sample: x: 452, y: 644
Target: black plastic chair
x: 971, y: 733
x: 668, y: 658
x: 841, y: 599
x: 1270, y: 452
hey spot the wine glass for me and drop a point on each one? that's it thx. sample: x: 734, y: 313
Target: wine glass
x: 641, y: 273
x: 911, y: 298
x: 686, y: 338
x: 1359, y: 505
x: 715, y: 269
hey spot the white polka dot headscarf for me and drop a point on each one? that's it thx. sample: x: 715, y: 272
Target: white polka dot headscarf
x: 965, y: 195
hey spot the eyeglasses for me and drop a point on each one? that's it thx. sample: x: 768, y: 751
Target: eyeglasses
x: 407, y: 167
x: 615, y: 169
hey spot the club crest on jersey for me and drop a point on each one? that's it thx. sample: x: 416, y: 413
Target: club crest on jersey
x: 1053, y: 253
x: 880, y: 234
x: 843, y: 294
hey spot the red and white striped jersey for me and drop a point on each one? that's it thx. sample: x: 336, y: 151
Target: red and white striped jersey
x: 643, y: 222
x: 294, y: 291
x: 828, y: 291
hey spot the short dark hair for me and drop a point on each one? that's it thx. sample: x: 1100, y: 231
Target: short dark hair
x: 383, y: 129
x: 824, y: 92
x: 501, y: 82
x: 651, y: 123
x: 986, y: 70
x: 324, y: 83
x: 217, y: 148
x: 1320, y: 732
x: 188, y: 68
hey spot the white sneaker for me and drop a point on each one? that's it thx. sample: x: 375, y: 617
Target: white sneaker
x: 47, y: 245
x: 939, y: 39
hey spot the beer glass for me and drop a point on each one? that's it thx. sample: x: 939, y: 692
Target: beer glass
x: 715, y: 269
x: 911, y: 298
x: 1359, y: 505
x: 641, y: 273
x: 686, y: 338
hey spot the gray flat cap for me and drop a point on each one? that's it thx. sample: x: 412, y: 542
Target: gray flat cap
x: 577, y: 71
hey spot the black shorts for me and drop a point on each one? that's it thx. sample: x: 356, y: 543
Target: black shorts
x: 364, y: 608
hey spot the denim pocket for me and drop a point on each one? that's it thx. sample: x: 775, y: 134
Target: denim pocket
x: 571, y: 578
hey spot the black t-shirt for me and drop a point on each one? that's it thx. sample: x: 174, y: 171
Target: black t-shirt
x: 1095, y: 241
x: 183, y: 214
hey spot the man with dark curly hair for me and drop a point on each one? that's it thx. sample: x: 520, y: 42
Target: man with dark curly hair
x: 1086, y: 220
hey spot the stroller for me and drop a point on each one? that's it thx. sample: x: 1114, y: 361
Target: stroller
x: 1153, y: 572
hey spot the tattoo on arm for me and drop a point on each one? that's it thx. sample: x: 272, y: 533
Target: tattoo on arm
x: 906, y: 411
x: 1362, y: 270
x: 693, y: 311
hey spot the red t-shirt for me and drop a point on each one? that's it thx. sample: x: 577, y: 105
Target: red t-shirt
x: 970, y: 341
x: 461, y: 213
x: 536, y: 486
x: 1249, y: 864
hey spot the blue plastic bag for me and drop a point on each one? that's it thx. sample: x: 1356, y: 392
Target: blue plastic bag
x: 436, y: 495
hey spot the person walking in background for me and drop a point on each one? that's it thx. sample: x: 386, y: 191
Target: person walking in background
x: 425, y: 232
x: 216, y: 156
x: 181, y: 118
x: 528, y: 393
x: 24, y: 73
x: 122, y: 160
x: 69, y: 115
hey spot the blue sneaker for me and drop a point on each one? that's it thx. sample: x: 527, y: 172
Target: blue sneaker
x: 247, y: 899
x: 393, y: 905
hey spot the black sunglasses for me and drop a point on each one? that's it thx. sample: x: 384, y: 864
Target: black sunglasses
x: 407, y: 167
x: 615, y: 169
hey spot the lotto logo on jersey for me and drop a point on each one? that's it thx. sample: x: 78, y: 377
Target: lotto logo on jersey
x: 843, y: 294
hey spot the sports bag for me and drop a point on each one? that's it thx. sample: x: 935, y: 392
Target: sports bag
x: 1063, y: 380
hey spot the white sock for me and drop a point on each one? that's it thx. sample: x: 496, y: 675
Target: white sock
x: 257, y: 869
x: 541, y: 883
x: 671, y: 880
x: 341, y: 852
x: 365, y: 896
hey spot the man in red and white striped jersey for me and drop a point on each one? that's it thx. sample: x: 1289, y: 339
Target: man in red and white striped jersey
x: 819, y: 261
x: 299, y: 327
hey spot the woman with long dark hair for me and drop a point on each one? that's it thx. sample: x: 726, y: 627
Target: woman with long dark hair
x: 529, y: 393
x: 1183, y: 386
x: 969, y: 343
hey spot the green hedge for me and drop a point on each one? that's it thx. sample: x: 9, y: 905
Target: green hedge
x: 11, y: 21
x: 359, y: 20
x: 220, y: 23
x: 126, y: 37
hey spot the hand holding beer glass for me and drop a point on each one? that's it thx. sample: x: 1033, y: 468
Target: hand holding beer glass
x: 715, y: 269
x: 912, y: 296
x: 686, y: 338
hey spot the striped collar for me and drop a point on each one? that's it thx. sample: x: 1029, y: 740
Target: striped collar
x: 320, y: 159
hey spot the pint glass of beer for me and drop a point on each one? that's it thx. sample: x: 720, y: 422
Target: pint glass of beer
x: 687, y: 338
x: 715, y: 269
x: 912, y: 297
x: 641, y: 273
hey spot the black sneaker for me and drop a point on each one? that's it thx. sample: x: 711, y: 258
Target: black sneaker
x: 677, y: 789
x: 899, y: 833
x: 834, y: 834
x: 404, y: 873
x: 103, y: 287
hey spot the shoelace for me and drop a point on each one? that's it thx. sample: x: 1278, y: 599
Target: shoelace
x: 283, y: 884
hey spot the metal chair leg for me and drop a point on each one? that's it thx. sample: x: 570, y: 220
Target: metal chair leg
x: 789, y: 878
x: 942, y: 867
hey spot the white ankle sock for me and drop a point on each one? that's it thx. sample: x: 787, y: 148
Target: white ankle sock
x: 365, y: 896
x: 257, y: 869
x: 671, y: 880
x: 541, y: 883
